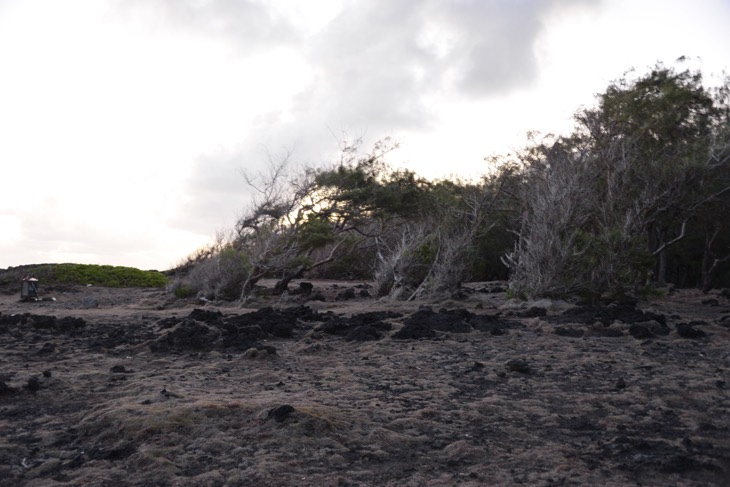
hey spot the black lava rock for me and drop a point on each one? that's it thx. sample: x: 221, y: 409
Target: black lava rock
x: 204, y: 315
x: 5, y: 389
x: 47, y: 349
x: 569, y: 331
x: 33, y: 384
x: 533, y: 312
x: 41, y: 322
x: 346, y: 294
x: 414, y: 330
x: 518, y: 365
x: 640, y: 331
x: 281, y: 413
x: 686, y: 330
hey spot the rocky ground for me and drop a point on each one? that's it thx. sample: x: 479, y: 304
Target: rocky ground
x: 129, y: 388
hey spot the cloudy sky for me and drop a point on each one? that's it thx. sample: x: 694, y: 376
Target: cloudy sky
x: 125, y: 124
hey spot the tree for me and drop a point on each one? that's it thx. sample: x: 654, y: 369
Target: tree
x: 602, y: 206
x: 421, y: 233
x: 336, y: 209
x: 432, y: 253
x: 653, y: 136
x: 281, y: 230
x: 556, y: 186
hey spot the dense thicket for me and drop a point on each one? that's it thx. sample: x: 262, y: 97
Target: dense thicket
x: 84, y: 274
x: 637, y: 196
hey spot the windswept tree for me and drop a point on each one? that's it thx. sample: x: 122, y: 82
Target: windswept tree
x: 551, y: 248
x: 608, y: 201
x: 283, y: 226
x: 638, y: 194
x: 420, y: 235
x: 432, y: 254
x: 654, y: 139
x: 301, y: 222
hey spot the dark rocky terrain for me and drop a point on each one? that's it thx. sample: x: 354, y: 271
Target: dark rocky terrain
x: 129, y: 388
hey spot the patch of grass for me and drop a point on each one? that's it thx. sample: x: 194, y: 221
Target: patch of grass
x: 183, y: 292
x: 97, y: 275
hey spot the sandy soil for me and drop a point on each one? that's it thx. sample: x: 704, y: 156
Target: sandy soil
x: 127, y: 387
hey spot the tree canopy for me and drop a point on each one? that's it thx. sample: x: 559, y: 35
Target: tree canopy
x: 623, y: 188
x: 637, y: 195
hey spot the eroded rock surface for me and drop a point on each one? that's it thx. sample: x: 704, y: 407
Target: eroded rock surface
x: 426, y: 395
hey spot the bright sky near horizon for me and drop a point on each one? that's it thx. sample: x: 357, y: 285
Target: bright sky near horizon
x: 125, y: 124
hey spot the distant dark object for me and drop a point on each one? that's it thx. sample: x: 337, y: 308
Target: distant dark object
x: 34, y: 384
x: 413, y: 331
x: 5, y: 389
x: 29, y: 289
x: 306, y: 288
x: 346, y: 294
x: 47, y: 349
x: 569, y: 331
x: 169, y: 394
x: 711, y: 302
x: 687, y: 330
x: 69, y: 324
x: 518, y: 365
x: 640, y: 331
x: 533, y: 312
x: 589, y: 314
x: 42, y: 322
x: 206, y: 316
x: 279, y: 414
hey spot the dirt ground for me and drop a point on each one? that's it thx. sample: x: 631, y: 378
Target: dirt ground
x: 329, y: 387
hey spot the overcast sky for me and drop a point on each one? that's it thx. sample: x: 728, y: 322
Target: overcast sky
x: 125, y: 124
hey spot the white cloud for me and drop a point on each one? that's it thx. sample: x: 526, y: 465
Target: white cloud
x: 125, y: 124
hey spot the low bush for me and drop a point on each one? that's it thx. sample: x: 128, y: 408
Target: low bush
x: 83, y: 274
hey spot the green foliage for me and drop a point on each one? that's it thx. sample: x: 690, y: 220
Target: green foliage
x: 316, y: 232
x: 97, y: 275
x: 486, y: 253
x: 230, y: 258
x: 365, y: 190
x: 184, y: 292
x: 596, y: 212
x: 667, y: 111
x: 426, y: 253
x: 601, y: 207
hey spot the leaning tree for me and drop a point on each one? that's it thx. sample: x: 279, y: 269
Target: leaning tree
x: 602, y: 207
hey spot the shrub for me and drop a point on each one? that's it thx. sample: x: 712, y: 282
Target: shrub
x: 97, y: 275
x: 183, y: 292
x: 215, y: 272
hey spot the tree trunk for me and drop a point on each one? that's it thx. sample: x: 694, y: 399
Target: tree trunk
x: 661, y: 251
x: 709, y: 259
x: 282, y: 285
x: 250, y: 282
x: 662, y: 271
x: 706, y: 271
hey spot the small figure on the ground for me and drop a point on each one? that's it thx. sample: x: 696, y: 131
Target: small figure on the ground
x: 29, y: 289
